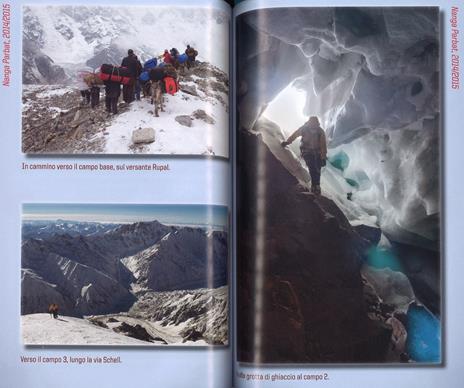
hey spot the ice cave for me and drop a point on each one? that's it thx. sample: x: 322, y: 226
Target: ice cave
x: 371, y: 75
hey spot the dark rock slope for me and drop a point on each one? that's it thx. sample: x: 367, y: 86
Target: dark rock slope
x: 300, y: 291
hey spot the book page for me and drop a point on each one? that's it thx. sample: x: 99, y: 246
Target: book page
x: 339, y: 152
x: 116, y: 191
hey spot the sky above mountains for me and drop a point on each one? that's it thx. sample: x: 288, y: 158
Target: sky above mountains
x: 128, y: 213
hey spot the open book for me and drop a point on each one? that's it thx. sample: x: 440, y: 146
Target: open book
x: 202, y: 195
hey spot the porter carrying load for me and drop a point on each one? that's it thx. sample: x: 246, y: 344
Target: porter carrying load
x: 118, y: 74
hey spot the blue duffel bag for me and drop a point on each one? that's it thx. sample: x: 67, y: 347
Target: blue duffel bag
x: 144, y: 76
x: 182, y: 58
x: 150, y: 64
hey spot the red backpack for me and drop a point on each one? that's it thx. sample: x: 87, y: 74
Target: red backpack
x: 170, y: 85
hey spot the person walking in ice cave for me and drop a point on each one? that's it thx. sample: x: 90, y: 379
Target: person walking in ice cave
x: 313, y: 149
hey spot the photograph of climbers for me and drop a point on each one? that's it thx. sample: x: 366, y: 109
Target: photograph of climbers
x: 125, y: 80
x: 338, y: 186
x: 116, y: 274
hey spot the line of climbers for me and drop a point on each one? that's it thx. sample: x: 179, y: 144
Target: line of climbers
x: 153, y: 76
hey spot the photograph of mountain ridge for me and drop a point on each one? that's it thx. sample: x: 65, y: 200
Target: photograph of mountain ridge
x: 95, y: 274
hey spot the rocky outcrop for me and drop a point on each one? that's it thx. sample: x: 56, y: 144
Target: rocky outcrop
x: 299, y: 264
x: 49, y: 121
x: 204, y: 312
x: 39, y: 68
x: 208, y: 82
x: 136, y: 331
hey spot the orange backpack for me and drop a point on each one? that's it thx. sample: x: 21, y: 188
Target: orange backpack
x: 170, y: 85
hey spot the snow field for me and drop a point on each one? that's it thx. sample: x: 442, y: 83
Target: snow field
x: 170, y: 136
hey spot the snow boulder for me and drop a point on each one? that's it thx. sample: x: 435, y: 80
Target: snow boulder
x: 200, y: 114
x: 190, y: 89
x: 184, y: 120
x: 143, y: 136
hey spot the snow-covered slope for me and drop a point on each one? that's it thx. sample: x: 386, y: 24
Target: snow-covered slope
x: 42, y: 329
x: 195, y: 120
x: 194, y: 318
x: 199, y: 139
x: 185, y: 259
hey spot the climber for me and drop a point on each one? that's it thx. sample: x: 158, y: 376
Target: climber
x: 191, y: 55
x: 132, y: 63
x: 167, y: 57
x: 83, y: 86
x: 158, y: 77
x: 112, y: 93
x: 53, y: 310
x: 313, y: 149
x: 175, y: 57
x: 174, y: 52
x: 93, y: 82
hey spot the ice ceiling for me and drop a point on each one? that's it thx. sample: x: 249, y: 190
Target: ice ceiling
x: 372, y: 77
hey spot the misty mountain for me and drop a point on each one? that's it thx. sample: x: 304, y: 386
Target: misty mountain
x: 94, y: 35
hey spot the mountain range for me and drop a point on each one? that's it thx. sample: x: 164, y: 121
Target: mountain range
x: 104, y: 271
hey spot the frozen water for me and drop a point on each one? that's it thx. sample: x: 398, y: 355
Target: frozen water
x: 424, y: 335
